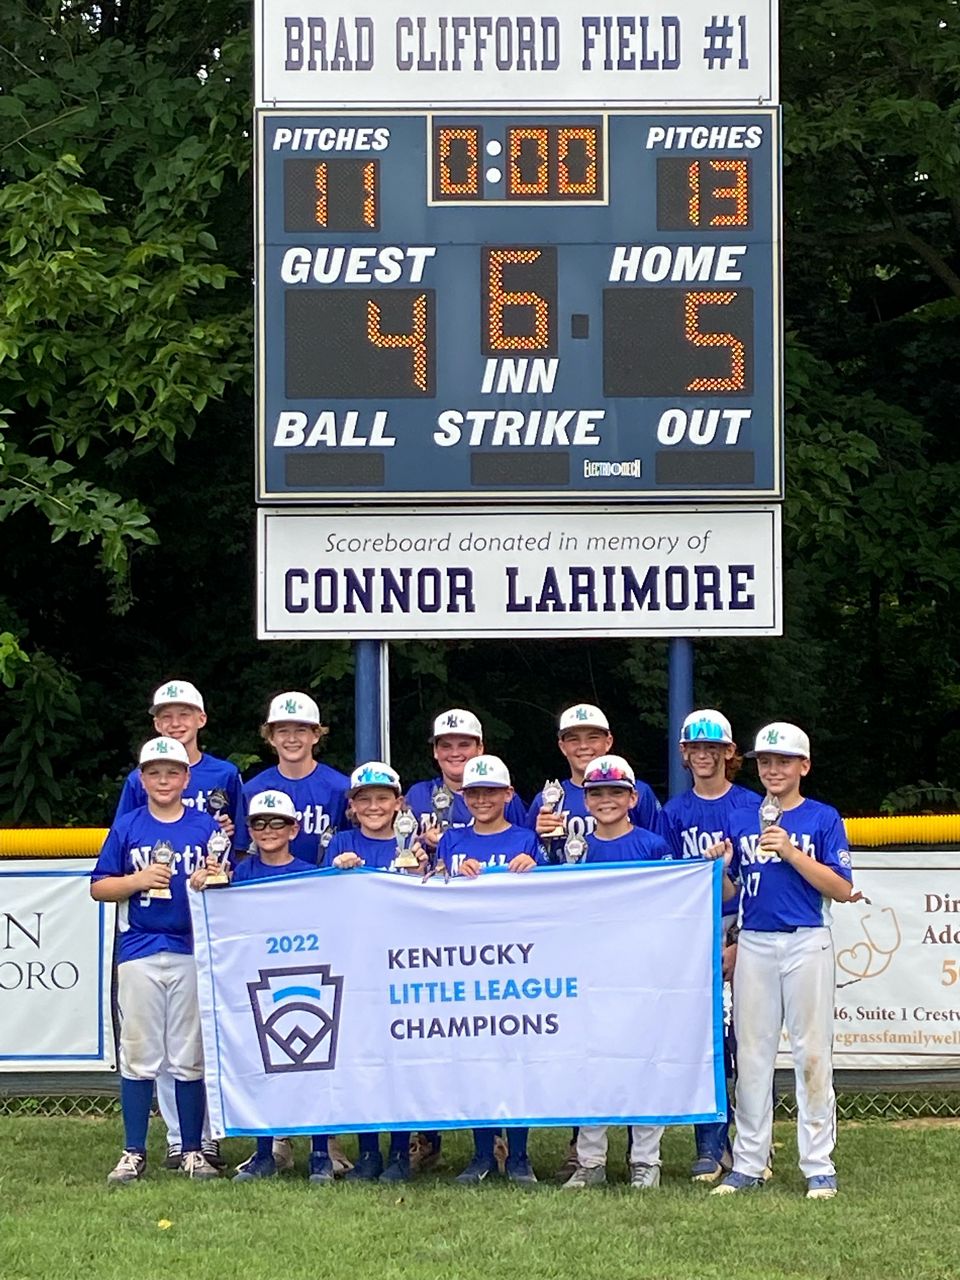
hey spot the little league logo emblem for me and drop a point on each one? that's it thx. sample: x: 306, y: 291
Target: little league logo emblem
x: 297, y: 1015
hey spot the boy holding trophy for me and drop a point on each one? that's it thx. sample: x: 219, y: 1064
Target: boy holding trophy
x: 143, y: 866
x: 214, y: 787
x: 383, y: 841
x: 792, y: 859
x: 491, y: 841
x: 273, y: 823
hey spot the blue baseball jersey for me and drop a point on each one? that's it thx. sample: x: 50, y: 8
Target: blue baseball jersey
x: 254, y: 868
x: 376, y: 852
x: 645, y: 813
x: 693, y: 823
x: 209, y: 773
x: 147, y: 925
x: 320, y: 799
x: 638, y: 845
x: 774, y: 897
x: 420, y: 803
x: 492, y: 850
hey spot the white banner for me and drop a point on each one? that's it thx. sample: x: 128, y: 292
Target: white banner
x: 432, y: 53
x: 56, y: 951
x: 898, y: 963
x: 655, y: 571
x: 350, y: 1001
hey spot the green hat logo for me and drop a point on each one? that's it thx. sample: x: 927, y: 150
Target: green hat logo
x: 772, y: 736
x: 291, y: 705
x: 481, y: 768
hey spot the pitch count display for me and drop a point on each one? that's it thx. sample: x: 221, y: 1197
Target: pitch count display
x: 533, y: 304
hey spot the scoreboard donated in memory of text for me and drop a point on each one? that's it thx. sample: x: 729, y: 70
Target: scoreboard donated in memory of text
x: 518, y: 303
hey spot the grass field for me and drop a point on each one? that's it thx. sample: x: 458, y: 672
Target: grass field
x: 896, y: 1216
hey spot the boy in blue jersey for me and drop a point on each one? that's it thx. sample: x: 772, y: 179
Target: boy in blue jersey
x: 143, y: 866
x: 318, y: 792
x: 583, y: 735
x: 792, y: 860
x: 609, y: 785
x: 694, y: 822
x: 465, y: 851
x: 375, y: 797
x: 178, y: 712
x: 272, y: 820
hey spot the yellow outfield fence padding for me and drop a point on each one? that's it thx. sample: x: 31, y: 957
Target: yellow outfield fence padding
x: 51, y: 842
x: 866, y: 833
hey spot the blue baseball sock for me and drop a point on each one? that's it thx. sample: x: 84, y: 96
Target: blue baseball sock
x: 369, y: 1144
x: 136, y: 1098
x: 483, y: 1140
x: 191, y: 1105
x: 517, y: 1142
x: 319, y: 1144
x: 399, y: 1145
x: 264, y: 1148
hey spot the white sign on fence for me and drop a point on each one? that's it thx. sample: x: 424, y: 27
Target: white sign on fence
x: 898, y: 963
x: 473, y: 573
x: 506, y: 998
x: 556, y: 52
x: 56, y: 950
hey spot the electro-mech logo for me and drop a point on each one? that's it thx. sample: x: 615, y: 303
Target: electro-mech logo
x: 633, y: 468
x: 297, y: 1016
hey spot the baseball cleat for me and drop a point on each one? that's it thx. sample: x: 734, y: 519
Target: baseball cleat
x: 398, y: 1167
x: 570, y: 1165
x: 368, y: 1168
x: 172, y: 1160
x: 582, y: 1177
x: 283, y: 1154
x: 129, y: 1168
x: 520, y: 1170
x: 644, y: 1176
x: 341, y: 1164
x: 194, y: 1164
x: 321, y: 1168
x: 477, y: 1171
x: 211, y: 1152
x: 706, y: 1169
x: 822, y: 1186
x: 737, y: 1182
x: 254, y: 1168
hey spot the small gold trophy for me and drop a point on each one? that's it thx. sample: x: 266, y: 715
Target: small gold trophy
x: 770, y: 812
x: 163, y: 855
x: 574, y: 848
x: 218, y: 848
x: 442, y: 800
x: 551, y: 796
x: 404, y: 829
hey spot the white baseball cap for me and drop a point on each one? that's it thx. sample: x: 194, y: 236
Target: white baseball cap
x: 168, y: 749
x: 456, y: 720
x: 781, y: 739
x: 485, y: 771
x: 177, y: 691
x: 374, y: 774
x: 272, y: 804
x: 707, y: 726
x: 609, y: 771
x: 296, y: 708
x: 582, y: 716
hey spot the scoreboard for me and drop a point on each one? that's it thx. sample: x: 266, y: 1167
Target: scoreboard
x: 506, y: 305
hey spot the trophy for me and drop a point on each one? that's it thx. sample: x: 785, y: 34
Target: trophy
x: 404, y: 829
x: 162, y: 854
x: 574, y: 848
x: 217, y: 802
x: 442, y: 800
x: 770, y: 811
x: 435, y: 866
x: 218, y: 848
x: 551, y: 796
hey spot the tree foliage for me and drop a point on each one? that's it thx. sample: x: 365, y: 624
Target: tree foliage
x: 126, y: 434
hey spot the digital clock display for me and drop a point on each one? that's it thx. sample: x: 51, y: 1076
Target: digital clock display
x: 535, y: 304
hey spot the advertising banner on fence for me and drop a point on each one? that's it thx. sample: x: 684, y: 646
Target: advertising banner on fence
x: 56, y: 950
x: 509, y: 998
x: 433, y: 53
x: 468, y: 573
x: 898, y: 963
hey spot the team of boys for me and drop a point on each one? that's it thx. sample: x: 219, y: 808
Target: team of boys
x: 781, y: 874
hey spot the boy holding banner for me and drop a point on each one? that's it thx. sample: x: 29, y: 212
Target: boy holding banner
x: 609, y: 786
x: 491, y: 841
x: 274, y: 826
x: 376, y: 799
x: 143, y: 867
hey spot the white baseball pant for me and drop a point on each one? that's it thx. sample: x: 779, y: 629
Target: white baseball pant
x: 592, y: 1145
x: 785, y: 978
x: 159, y: 1017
